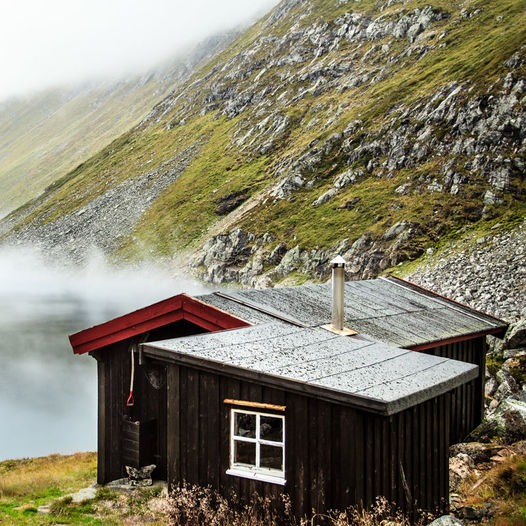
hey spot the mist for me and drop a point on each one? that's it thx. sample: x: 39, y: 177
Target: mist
x: 62, y: 42
x: 48, y: 396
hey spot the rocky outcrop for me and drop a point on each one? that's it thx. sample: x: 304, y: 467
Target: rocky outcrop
x: 505, y: 418
x: 286, y: 103
x: 489, y: 275
x: 469, y: 465
x: 506, y: 423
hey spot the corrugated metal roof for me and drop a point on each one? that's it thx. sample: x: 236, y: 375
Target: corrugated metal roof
x: 385, y: 309
x: 354, y: 370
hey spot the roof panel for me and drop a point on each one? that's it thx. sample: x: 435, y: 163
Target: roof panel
x: 242, y: 311
x: 389, y: 310
x: 314, y: 359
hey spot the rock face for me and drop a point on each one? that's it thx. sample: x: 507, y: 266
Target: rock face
x: 490, y: 276
x: 506, y: 423
x: 505, y: 419
x: 305, y: 109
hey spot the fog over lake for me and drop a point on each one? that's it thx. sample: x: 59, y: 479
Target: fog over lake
x: 47, y: 394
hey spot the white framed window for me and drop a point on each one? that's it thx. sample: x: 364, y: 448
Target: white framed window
x: 257, y: 446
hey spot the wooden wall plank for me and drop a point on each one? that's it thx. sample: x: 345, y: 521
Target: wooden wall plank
x: 102, y: 418
x: 313, y: 445
x: 173, y: 424
x: 192, y: 422
x: 297, y: 452
x: 212, y: 430
x: 228, y: 388
x: 324, y: 451
x: 184, y: 423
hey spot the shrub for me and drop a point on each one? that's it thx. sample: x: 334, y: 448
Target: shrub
x: 194, y: 506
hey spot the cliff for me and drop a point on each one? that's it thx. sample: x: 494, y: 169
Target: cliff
x: 376, y: 129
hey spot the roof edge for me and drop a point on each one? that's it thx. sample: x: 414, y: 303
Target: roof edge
x: 365, y: 403
x: 362, y: 402
x: 436, y: 390
x: 170, y: 310
x: 454, y: 339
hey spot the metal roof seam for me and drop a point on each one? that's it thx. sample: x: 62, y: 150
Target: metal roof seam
x: 326, y: 357
x: 420, y: 371
x: 362, y: 366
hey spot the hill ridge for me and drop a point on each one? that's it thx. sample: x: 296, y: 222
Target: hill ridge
x: 371, y: 128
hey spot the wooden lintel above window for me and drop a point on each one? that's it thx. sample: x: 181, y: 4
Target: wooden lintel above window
x: 257, y: 405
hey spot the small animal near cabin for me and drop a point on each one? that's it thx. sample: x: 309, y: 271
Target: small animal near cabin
x: 333, y: 397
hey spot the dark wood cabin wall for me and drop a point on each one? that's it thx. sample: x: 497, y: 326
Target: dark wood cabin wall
x: 114, y: 370
x: 112, y: 392
x: 150, y: 404
x: 335, y: 456
x: 467, y: 401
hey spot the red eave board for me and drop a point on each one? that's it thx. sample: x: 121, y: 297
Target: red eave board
x: 180, y: 307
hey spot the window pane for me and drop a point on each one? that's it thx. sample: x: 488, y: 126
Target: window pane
x: 244, y: 452
x: 271, y: 429
x: 271, y: 457
x: 245, y: 425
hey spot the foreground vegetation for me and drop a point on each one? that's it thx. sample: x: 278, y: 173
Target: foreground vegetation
x: 27, y: 484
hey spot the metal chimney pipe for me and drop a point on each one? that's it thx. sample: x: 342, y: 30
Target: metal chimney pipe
x: 338, y: 281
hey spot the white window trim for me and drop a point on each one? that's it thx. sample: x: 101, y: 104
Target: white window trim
x: 274, y: 476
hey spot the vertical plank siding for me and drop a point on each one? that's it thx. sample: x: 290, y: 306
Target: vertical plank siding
x: 467, y: 401
x: 335, y: 456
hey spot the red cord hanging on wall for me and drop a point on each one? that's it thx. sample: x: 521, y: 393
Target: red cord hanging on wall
x: 130, y: 400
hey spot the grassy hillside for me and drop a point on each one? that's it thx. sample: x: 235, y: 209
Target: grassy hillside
x: 406, y: 113
x: 46, y: 135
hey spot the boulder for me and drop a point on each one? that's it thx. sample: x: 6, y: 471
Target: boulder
x: 473, y: 513
x: 507, y: 423
x: 516, y: 335
x: 287, y: 186
x: 460, y: 466
x: 476, y: 451
x: 140, y: 476
x: 446, y: 520
x: 325, y: 197
x: 395, y: 230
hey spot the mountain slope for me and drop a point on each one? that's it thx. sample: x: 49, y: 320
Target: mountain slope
x: 370, y: 128
x: 44, y: 136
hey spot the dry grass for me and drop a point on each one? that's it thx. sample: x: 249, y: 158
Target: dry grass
x: 194, y: 506
x: 33, y: 476
x: 501, y: 489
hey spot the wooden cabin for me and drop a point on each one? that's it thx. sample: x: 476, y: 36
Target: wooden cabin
x: 254, y: 391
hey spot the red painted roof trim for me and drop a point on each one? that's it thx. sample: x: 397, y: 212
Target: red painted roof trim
x: 180, y: 307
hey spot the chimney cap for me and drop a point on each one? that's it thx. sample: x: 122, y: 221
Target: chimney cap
x: 338, y: 261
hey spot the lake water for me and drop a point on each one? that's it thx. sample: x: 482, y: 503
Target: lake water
x: 47, y: 394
